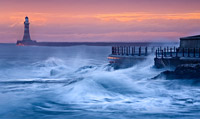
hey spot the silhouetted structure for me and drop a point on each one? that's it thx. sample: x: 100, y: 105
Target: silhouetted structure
x: 187, y: 53
x: 26, y: 38
x: 190, y: 42
x: 127, y: 56
x: 26, y: 30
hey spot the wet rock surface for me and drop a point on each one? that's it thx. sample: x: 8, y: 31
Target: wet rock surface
x: 186, y: 71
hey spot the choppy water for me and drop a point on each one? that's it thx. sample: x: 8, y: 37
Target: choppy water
x: 77, y: 83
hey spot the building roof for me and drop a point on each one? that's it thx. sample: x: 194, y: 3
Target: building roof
x: 196, y: 37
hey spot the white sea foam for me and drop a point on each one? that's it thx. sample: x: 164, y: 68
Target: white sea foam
x: 81, y: 84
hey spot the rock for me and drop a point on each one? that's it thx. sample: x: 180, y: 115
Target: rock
x: 185, y: 71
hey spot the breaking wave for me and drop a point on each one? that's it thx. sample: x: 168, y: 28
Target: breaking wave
x: 57, y: 86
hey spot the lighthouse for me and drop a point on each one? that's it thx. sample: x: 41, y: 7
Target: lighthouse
x: 26, y: 36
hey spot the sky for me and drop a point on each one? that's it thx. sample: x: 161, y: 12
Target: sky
x: 100, y: 20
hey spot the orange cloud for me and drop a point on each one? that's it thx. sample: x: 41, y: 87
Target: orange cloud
x: 125, y: 17
x: 100, y: 27
x: 57, y: 18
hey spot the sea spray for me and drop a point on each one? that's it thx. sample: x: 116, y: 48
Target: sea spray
x: 44, y: 82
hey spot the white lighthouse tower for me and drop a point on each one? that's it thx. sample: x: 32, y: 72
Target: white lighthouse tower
x: 26, y: 36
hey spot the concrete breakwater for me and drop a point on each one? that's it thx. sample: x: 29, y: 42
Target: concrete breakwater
x: 172, y: 57
x: 128, y: 50
x: 123, y: 57
x: 127, y: 56
x: 188, y: 52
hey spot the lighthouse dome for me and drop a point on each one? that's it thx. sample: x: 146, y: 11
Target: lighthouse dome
x: 26, y: 19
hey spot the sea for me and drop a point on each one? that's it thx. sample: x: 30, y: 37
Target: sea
x: 77, y: 82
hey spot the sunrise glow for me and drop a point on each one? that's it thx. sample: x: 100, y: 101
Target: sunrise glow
x: 100, y: 21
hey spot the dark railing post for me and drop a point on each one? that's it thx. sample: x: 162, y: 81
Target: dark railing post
x: 112, y: 50
x: 194, y: 52
x: 132, y: 51
x: 115, y: 50
x: 126, y: 50
x: 146, y: 51
x: 118, y: 50
x: 188, y: 52
x: 139, y: 51
x: 165, y: 52
x: 121, y: 51
x: 176, y: 52
x: 183, y: 52
x: 199, y: 52
x: 170, y: 52
x: 156, y: 53
x: 162, y: 53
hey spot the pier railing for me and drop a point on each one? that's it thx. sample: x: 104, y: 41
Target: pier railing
x: 131, y: 51
x: 170, y: 52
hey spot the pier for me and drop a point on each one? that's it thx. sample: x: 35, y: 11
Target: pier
x: 177, y: 52
x: 172, y: 57
x: 188, y: 52
x: 127, y: 56
x: 131, y: 51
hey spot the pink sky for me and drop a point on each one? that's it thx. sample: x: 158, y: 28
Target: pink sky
x: 100, y: 20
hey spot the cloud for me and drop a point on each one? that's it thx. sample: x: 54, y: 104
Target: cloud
x: 126, y: 17
x: 130, y: 26
x: 112, y: 37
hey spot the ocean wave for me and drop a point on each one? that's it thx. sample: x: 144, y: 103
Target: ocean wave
x: 100, y: 88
